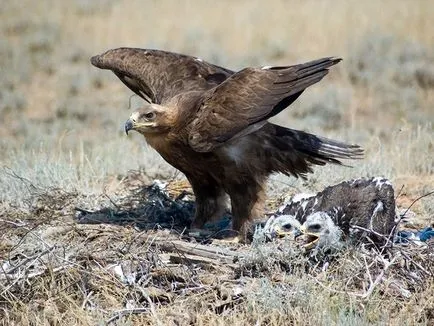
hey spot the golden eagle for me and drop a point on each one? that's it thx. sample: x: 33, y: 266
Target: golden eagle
x: 211, y: 124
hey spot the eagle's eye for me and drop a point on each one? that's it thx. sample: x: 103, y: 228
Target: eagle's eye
x: 315, y: 227
x: 149, y: 116
x: 287, y: 226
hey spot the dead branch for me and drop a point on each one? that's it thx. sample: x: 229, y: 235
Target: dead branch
x: 194, y: 259
x: 414, y: 202
x: 208, y: 251
x: 120, y: 313
x: 378, y: 279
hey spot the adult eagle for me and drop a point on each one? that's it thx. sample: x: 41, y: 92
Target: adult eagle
x: 211, y: 124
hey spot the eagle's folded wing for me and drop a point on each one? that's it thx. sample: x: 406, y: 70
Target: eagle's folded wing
x: 157, y: 76
x: 237, y: 106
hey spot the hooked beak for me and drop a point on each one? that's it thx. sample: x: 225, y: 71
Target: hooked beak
x: 297, y: 233
x: 311, y: 239
x: 129, y: 124
x: 280, y: 233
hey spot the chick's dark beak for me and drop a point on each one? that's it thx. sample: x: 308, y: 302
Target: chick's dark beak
x: 297, y: 233
x: 128, y: 126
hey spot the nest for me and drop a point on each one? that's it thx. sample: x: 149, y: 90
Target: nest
x: 115, y: 264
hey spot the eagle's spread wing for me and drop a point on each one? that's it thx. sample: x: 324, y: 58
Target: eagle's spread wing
x: 238, y: 105
x: 156, y: 76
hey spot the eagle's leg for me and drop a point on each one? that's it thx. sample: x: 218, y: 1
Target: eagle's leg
x: 210, y: 202
x: 247, y: 201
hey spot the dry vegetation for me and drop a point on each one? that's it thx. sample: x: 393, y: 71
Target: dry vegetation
x: 62, y: 148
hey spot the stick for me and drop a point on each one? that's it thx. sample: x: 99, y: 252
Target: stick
x: 123, y: 312
x: 207, y: 251
x: 194, y: 259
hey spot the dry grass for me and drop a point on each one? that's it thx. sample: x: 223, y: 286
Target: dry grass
x: 62, y: 146
x: 60, y: 271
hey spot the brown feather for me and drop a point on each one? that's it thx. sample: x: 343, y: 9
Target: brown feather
x: 248, y: 97
x: 157, y: 76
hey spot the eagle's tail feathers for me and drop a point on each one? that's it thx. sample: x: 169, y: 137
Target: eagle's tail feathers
x: 299, y: 146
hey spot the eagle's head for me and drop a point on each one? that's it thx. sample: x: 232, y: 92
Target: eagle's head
x: 321, y: 232
x: 282, y: 226
x: 150, y: 118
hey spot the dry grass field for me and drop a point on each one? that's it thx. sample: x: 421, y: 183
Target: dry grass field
x: 62, y: 146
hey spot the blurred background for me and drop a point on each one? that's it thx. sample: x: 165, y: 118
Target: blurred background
x: 61, y: 118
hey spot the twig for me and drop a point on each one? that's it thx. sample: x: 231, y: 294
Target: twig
x: 80, y: 267
x: 414, y: 201
x: 416, y: 264
x: 367, y: 270
x: 25, y: 261
x: 371, y: 231
x: 86, y: 300
x: 401, y: 217
x: 151, y: 306
x: 378, y: 279
x: 21, y: 224
x: 23, y: 275
x: 82, y: 210
x: 28, y: 231
x: 182, y: 258
x: 54, y: 270
x: 111, y: 201
x: 399, y: 192
x: 209, y: 251
x: 120, y: 313
x: 13, y: 174
x: 327, y: 287
x: 390, y: 238
x: 372, y: 285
